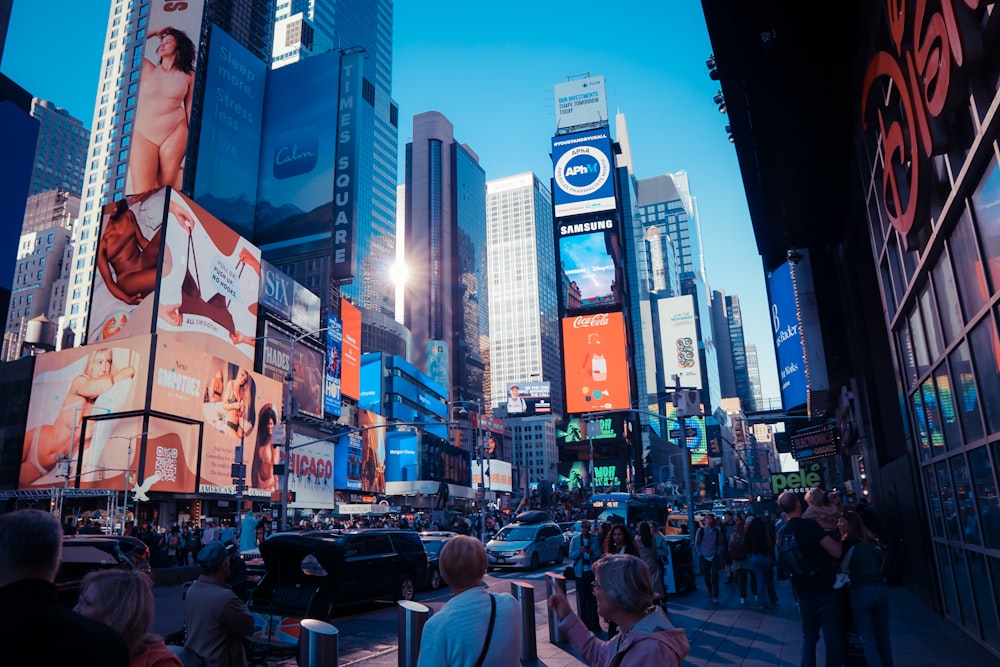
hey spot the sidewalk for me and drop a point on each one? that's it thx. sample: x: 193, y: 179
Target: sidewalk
x: 729, y: 634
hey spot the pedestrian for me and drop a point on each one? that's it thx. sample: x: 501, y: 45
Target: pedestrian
x: 709, y: 545
x: 34, y: 628
x: 123, y: 600
x: 812, y: 573
x: 652, y: 550
x: 625, y: 596
x: 619, y: 540
x: 760, y: 549
x: 475, y: 627
x: 869, y: 595
x: 173, y: 542
x: 726, y: 525
x: 740, y: 558
x: 584, y: 550
x: 215, y: 618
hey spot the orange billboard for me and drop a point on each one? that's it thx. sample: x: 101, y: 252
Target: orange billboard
x: 73, y: 386
x: 595, y: 361
x: 350, y: 369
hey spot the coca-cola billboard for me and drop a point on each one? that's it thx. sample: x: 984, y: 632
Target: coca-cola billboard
x: 596, y: 363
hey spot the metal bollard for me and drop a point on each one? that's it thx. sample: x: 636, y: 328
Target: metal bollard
x: 525, y: 594
x: 412, y: 616
x: 552, y: 580
x: 318, y: 644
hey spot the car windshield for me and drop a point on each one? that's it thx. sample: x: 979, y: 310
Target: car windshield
x: 516, y: 534
x: 434, y: 546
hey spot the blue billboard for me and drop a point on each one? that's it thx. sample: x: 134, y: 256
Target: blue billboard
x: 226, y: 176
x: 334, y: 344
x: 347, y: 462
x: 788, y: 347
x: 583, y: 168
x: 587, y: 260
x: 401, y: 456
x: 371, y: 382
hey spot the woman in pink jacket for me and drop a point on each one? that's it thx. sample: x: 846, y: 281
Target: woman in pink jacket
x: 624, y: 593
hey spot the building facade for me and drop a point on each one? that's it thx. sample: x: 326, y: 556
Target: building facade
x: 61, y: 151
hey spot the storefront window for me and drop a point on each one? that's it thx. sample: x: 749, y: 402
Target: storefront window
x: 986, y: 205
x: 920, y: 422
x: 944, y: 558
x: 947, y: 298
x: 985, y: 489
x: 906, y: 361
x: 919, y: 342
x: 963, y: 586
x: 966, y: 399
x: 946, y: 403
x: 971, y: 278
x: 932, y: 416
x: 986, y: 361
x: 928, y: 310
x: 937, y: 514
x: 968, y: 519
x: 952, y: 523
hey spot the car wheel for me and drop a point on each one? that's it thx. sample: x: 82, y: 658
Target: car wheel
x: 435, y: 579
x: 406, y: 588
x: 534, y: 561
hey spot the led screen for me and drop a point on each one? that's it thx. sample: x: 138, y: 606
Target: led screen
x: 596, y: 365
x: 583, y: 167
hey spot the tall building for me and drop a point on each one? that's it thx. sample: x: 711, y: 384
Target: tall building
x: 753, y: 373
x: 666, y: 201
x: 18, y: 136
x: 739, y: 352
x: 447, y: 303
x: 61, y: 151
x: 113, y: 128
x: 720, y: 324
x: 524, y: 318
x: 308, y: 27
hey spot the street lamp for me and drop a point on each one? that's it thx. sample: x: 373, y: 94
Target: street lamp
x: 127, y: 470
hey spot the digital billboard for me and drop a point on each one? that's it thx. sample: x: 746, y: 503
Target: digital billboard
x: 70, y: 387
x: 581, y: 102
x: 587, y: 259
x: 166, y: 90
x: 128, y: 266
x: 229, y: 143
x: 679, y: 340
x: 528, y: 398
x: 305, y: 364
x: 347, y: 462
x: 371, y: 382
x: 583, y: 168
x: 401, y: 460
x: 211, y: 278
x: 351, y: 366
x: 238, y: 408
x: 787, y: 342
x: 499, y: 475
x: 373, y: 451
x: 285, y: 297
x: 311, y: 475
x: 444, y: 462
x: 297, y: 154
x: 574, y: 474
x: 584, y: 429
x: 345, y: 182
x: 596, y: 363
x: 334, y: 355
x: 438, y: 361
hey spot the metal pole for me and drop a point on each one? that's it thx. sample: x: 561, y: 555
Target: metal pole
x: 686, y: 459
x: 482, y: 470
x: 553, y: 581
x: 128, y: 469
x: 318, y: 644
x: 286, y: 410
x: 525, y: 594
x: 412, y: 616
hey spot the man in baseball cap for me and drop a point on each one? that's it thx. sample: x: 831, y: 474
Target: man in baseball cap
x: 215, y: 617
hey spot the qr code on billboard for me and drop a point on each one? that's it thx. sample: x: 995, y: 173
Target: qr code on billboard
x: 166, y: 463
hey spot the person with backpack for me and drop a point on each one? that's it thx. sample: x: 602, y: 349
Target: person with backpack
x: 869, y: 594
x: 740, y: 558
x: 760, y: 548
x: 809, y: 554
x: 709, y: 544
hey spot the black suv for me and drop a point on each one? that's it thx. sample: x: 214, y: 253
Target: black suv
x: 84, y: 553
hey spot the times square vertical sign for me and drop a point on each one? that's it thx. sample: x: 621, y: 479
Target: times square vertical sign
x: 345, y: 188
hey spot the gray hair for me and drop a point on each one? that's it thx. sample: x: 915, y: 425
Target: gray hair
x: 625, y: 581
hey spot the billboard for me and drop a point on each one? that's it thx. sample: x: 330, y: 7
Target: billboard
x: 401, y: 460
x: 229, y: 143
x: 311, y: 474
x: 285, y: 297
x: 128, y: 265
x: 583, y: 165
x: 298, y: 147
x: 815, y: 443
x: 588, y: 260
x: 345, y: 183
x: 596, y: 363
x: 211, y: 278
x: 166, y: 90
x: 438, y: 362
x: 334, y: 340
x: 76, y: 385
x: 351, y: 366
x: 679, y: 340
x: 373, y: 451
x: 574, y: 474
x: 237, y: 407
x: 528, y: 398
x: 305, y: 364
x: 787, y: 339
x: 347, y: 462
x: 499, y: 475
x: 371, y: 382
x: 444, y: 462
x: 581, y: 102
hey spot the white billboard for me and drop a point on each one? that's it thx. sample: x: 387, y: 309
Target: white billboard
x: 679, y: 341
x: 581, y: 102
x: 500, y: 475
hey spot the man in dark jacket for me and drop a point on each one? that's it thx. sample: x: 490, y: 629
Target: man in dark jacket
x: 34, y: 628
x: 216, y: 619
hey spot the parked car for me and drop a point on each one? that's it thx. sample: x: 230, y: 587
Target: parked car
x: 570, y: 529
x: 308, y: 574
x: 526, y: 545
x: 84, y: 553
x: 433, y: 542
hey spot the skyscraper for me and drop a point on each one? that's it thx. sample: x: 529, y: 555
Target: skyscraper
x: 666, y: 201
x: 753, y: 371
x: 447, y: 304
x: 739, y: 352
x: 61, y: 151
x: 114, y: 122
x: 524, y: 317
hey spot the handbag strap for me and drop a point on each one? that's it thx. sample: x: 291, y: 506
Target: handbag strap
x: 489, y: 632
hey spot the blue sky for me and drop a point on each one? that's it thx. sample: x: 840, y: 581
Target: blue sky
x: 490, y: 68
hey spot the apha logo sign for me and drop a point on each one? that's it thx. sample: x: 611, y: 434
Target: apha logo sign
x: 907, y: 93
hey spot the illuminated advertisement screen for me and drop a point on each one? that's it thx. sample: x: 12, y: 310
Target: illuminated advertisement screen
x: 610, y: 476
x: 442, y: 461
x: 166, y: 91
x: 499, y: 475
x: 438, y: 361
x: 815, y: 443
x: 587, y: 262
x: 349, y: 375
x: 312, y: 472
x: 347, y: 462
x: 345, y: 182
x: 583, y: 429
x: 238, y: 408
x: 581, y: 102
x: 334, y: 340
x: 528, y: 398
x: 74, y: 385
x: 679, y: 340
x: 128, y: 265
x: 787, y: 339
x: 373, y: 451
x: 297, y: 152
x: 305, y: 363
x: 595, y: 360
x: 371, y: 382
x: 401, y: 456
x: 287, y: 298
x: 229, y: 145
x: 574, y: 474
x: 583, y: 167
x: 211, y: 278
